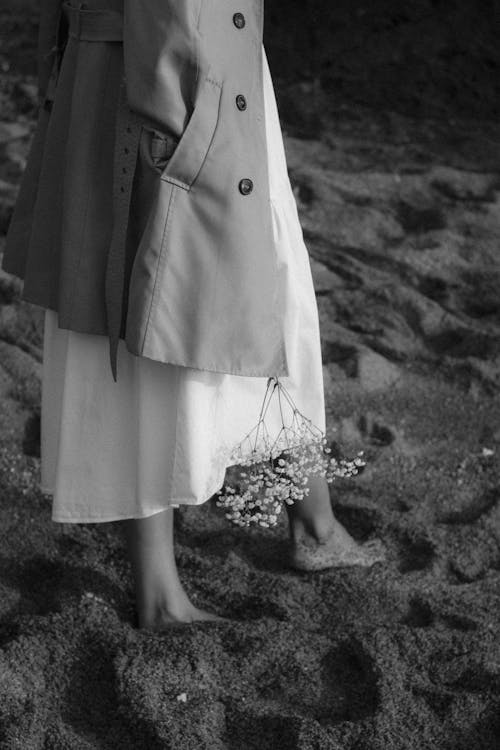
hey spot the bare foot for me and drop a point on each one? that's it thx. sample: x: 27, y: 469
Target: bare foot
x: 163, y: 619
x: 161, y: 600
x: 335, y: 549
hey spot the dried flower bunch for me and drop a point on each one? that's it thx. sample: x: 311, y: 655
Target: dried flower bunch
x: 276, y: 471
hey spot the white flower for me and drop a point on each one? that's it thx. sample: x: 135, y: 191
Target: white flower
x: 280, y: 469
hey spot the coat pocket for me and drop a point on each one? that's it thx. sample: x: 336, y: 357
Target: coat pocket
x: 162, y: 148
x: 191, y: 151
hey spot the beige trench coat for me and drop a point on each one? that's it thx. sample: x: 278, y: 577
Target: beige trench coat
x: 144, y: 212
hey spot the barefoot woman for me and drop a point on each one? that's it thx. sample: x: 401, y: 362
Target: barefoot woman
x: 157, y: 227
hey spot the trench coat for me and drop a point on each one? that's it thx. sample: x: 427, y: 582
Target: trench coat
x: 144, y: 210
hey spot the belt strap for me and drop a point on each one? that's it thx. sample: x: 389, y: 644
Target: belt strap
x: 104, y: 25
x: 127, y: 137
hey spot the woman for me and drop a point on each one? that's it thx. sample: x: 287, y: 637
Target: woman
x: 156, y: 217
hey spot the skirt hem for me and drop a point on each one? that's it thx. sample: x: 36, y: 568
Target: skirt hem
x: 127, y: 516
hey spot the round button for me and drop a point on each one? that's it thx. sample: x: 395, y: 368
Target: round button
x: 245, y: 186
x: 239, y: 20
x: 241, y: 102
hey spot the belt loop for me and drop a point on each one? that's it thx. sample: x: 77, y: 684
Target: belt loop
x: 98, y: 25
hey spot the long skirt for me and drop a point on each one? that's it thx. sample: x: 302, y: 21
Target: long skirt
x: 163, y: 435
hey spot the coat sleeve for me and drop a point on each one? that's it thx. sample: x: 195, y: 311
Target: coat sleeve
x: 160, y: 60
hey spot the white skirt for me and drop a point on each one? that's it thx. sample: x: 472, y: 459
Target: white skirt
x: 163, y: 435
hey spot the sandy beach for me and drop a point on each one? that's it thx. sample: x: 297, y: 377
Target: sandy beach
x: 401, y: 216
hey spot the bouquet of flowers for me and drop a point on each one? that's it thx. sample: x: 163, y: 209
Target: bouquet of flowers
x: 276, y: 471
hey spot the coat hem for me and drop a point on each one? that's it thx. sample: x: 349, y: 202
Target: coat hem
x: 282, y: 370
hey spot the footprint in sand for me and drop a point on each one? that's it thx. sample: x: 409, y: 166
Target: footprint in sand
x: 415, y: 554
x: 474, y: 510
x: 422, y: 614
x: 344, y: 688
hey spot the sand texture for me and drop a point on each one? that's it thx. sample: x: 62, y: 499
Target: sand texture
x: 401, y: 215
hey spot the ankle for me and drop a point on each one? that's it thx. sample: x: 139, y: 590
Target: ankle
x: 318, y: 530
x: 162, y: 603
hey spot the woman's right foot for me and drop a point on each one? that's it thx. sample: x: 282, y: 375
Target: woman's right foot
x: 161, y: 600
x: 163, y: 618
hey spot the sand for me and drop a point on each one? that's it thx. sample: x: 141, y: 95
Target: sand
x: 402, y: 219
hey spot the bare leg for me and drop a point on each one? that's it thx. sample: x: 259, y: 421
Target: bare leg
x: 312, y: 516
x: 318, y: 540
x: 160, y: 597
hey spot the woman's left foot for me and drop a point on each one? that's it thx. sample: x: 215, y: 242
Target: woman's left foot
x: 337, y: 549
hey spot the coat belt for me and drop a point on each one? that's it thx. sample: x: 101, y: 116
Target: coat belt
x: 106, y: 25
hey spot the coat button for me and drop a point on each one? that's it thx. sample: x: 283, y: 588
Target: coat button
x: 239, y: 20
x: 241, y: 102
x: 245, y: 186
